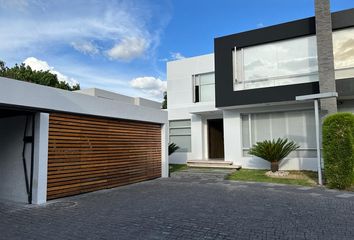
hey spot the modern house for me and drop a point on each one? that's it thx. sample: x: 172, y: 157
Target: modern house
x: 56, y: 143
x: 220, y: 104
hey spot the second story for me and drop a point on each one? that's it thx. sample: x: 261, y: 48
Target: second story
x: 266, y: 65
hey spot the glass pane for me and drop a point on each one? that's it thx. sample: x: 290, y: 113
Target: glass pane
x: 245, y: 132
x: 180, y: 123
x: 310, y: 129
x: 180, y: 131
x: 278, y: 125
x: 207, y: 78
x: 260, y: 127
x: 343, y: 48
x: 183, y: 142
x: 207, y: 93
x: 296, y: 127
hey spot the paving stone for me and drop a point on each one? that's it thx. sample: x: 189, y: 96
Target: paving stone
x: 202, y: 207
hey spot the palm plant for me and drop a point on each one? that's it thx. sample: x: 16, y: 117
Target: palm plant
x: 273, y: 151
x: 172, y: 147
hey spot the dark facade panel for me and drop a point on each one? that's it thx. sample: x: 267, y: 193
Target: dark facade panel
x: 225, y: 96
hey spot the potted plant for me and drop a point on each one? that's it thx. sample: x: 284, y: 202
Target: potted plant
x: 274, y: 151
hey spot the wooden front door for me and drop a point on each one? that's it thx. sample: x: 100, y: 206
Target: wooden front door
x: 216, y: 138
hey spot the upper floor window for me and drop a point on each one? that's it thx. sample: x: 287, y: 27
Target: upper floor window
x: 273, y: 64
x: 204, y: 87
x: 343, y: 50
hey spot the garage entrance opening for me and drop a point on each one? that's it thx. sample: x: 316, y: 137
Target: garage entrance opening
x: 16, y: 154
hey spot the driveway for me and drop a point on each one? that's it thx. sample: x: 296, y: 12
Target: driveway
x: 190, y: 205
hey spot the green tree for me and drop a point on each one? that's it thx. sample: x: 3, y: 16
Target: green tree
x: 164, y: 103
x: 25, y: 73
x: 273, y: 151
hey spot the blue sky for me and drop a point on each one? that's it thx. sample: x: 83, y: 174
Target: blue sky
x: 123, y: 45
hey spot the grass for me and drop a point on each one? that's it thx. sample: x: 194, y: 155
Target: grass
x: 177, y: 167
x: 304, y: 178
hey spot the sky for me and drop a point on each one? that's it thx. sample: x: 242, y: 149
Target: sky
x: 123, y: 45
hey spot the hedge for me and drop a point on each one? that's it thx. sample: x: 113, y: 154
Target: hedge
x: 338, y: 151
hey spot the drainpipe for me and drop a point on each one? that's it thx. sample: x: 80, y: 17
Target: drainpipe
x: 325, y: 54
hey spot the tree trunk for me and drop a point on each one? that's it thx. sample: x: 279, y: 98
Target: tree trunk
x: 274, y: 166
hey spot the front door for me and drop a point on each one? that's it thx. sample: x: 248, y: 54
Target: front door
x: 216, y: 138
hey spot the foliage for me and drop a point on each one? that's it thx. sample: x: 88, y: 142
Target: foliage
x: 305, y: 178
x: 177, y: 167
x: 273, y: 151
x: 25, y: 73
x: 164, y: 103
x: 172, y: 147
x: 338, y: 149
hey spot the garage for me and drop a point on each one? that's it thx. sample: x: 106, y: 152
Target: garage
x: 56, y: 143
x: 88, y: 153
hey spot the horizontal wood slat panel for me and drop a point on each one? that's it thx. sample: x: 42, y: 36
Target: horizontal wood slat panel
x: 88, y: 153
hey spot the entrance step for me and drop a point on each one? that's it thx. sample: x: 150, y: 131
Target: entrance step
x: 212, y: 164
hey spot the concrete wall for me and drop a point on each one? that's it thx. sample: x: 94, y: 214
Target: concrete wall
x: 179, y: 79
x: 12, y: 180
x: 28, y: 95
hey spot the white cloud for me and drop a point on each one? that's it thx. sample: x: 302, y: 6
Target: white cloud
x: 260, y: 25
x: 177, y: 56
x: 39, y: 65
x: 120, y: 30
x: 128, y: 48
x: 85, y: 47
x: 152, y: 86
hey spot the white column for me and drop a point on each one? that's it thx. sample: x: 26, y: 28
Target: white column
x: 39, y: 189
x: 197, y: 137
x: 164, y: 150
x: 232, y: 136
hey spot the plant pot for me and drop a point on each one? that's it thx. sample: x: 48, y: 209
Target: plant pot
x: 274, y: 166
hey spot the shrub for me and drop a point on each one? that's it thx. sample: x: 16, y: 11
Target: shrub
x: 273, y: 151
x: 338, y: 149
x: 172, y: 147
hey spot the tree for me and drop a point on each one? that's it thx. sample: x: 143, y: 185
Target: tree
x: 274, y: 151
x: 25, y: 73
x: 164, y: 103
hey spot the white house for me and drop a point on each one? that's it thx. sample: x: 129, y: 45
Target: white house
x: 220, y: 104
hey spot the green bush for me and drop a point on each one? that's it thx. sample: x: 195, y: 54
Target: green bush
x: 338, y: 149
x: 172, y: 147
x: 273, y: 151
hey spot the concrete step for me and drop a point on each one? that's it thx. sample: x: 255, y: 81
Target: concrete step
x: 221, y: 162
x: 212, y: 164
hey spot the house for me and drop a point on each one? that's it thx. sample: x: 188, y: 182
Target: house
x: 56, y: 143
x: 220, y: 104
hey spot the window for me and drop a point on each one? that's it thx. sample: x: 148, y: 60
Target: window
x: 298, y: 126
x: 273, y: 64
x: 180, y: 134
x: 343, y: 51
x: 204, y: 87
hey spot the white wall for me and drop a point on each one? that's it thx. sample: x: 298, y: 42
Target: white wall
x: 234, y: 152
x: 179, y: 79
x: 28, y: 95
x: 12, y: 180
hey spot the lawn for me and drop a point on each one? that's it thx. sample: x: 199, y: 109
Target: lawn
x: 177, y: 167
x: 304, y: 178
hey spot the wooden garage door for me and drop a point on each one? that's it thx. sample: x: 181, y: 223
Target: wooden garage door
x: 87, y: 154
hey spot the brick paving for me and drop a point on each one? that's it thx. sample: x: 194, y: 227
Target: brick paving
x: 189, y: 205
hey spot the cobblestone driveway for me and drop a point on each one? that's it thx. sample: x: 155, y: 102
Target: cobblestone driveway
x: 187, y: 206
